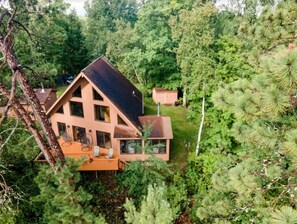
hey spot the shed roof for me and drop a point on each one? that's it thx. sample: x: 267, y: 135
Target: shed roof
x: 161, y: 126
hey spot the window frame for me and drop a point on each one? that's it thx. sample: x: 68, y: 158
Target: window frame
x: 104, y: 139
x: 82, y: 108
x: 76, y: 130
x: 126, y: 150
x: 79, y: 95
x: 59, y: 124
x: 98, y: 118
x: 62, y: 111
x: 96, y: 93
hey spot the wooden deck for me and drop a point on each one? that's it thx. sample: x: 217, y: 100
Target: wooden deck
x: 74, y: 150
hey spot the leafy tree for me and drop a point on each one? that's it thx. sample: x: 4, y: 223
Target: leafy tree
x: 194, y: 31
x: 101, y: 21
x: 138, y: 175
x: 152, y: 57
x: 64, y: 201
x: 154, y: 208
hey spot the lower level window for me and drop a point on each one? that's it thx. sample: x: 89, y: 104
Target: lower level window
x: 103, y: 139
x: 158, y: 146
x: 78, y: 133
x: 61, y: 128
x: 131, y: 146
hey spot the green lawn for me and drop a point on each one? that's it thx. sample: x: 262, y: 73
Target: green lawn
x: 60, y: 90
x: 184, y: 133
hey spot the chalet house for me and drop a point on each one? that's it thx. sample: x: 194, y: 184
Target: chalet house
x: 99, y: 117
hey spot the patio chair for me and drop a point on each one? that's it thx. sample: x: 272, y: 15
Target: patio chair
x: 85, y: 143
x: 110, y: 154
x: 67, y: 139
x: 96, y: 151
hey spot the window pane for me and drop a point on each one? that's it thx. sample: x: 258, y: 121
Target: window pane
x: 102, y: 113
x: 77, y: 92
x: 96, y: 95
x: 130, y: 146
x: 121, y: 121
x: 158, y: 146
x: 78, y: 132
x: 76, y: 109
x: 61, y: 128
x: 60, y: 110
x: 103, y: 139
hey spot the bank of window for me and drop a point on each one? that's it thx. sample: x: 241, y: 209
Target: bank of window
x: 76, y: 109
x: 78, y: 133
x: 158, y: 146
x: 60, y: 110
x: 61, y: 128
x: 130, y: 147
x: 103, y: 139
x: 77, y: 92
x: 102, y: 113
x: 97, y: 96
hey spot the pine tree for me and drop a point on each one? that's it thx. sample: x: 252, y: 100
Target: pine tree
x: 64, y: 201
x: 261, y: 173
x: 154, y: 208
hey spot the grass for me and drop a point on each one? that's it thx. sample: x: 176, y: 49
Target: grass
x: 184, y: 132
x: 60, y: 90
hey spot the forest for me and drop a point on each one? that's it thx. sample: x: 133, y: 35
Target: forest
x: 235, y: 63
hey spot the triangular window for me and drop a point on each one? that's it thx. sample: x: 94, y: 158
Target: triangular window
x: 77, y: 92
x: 121, y: 121
x: 60, y: 110
x: 96, y: 95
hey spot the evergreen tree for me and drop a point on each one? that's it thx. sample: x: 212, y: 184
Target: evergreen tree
x: 260, y: 174
x: 154, y: 208
x: 64, y: 201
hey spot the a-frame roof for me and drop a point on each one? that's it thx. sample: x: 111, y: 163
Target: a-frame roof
x: 115, y: 86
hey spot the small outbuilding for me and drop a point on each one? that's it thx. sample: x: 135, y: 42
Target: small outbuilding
x: 163, y: 96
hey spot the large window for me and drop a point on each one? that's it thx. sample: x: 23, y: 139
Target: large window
x: 77, y: 92
x: 158, y: 146
x: 61, y: 128
x: 78, y: 133
x: 130, y: 146
x: 76, y: 109
x: 102, y: 113
x: 60, y: 110
x: 96, y: 95
x: 103, y: 139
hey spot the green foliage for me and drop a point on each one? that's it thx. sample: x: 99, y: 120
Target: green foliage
x: 64, y: 201
x: 138, y: 175
x: 284, y: 215
x: 55, y: 44
x: 265, y: 127
x: 102, y: 19
x: 154, y: 208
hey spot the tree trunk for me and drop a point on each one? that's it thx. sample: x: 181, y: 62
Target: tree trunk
x: 25, y: 118
x: 201, y: 126
x: 184, y: 97
x: 53, y: 152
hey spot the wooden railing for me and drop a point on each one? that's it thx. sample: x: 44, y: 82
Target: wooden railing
x: 122, y: 164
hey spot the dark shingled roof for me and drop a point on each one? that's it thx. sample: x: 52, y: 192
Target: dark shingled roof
x: 116, y: 87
